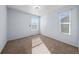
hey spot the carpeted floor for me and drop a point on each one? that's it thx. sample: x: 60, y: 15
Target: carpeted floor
x: 38, y: 44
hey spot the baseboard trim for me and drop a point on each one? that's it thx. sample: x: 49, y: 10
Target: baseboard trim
x: 58, y: 40
x: 1, y: 49
x: 22, y: 37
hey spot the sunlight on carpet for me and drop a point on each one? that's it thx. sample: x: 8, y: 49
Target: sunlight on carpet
x: 38, y: 47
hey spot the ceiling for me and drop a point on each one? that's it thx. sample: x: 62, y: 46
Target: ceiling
x: 44, y: 9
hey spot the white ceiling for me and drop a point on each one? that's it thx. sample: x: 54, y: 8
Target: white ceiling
x: 44, y: 9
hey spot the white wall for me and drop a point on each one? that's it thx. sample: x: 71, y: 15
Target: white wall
x: 3, y: 25
x: 18, y: 24
x: 50, y: 26
x: 78, y: 25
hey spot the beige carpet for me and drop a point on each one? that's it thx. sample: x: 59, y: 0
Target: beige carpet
x: 38, y: 44
x: 38, y: 47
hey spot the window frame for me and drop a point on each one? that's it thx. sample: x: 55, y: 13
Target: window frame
x: 69, y: 12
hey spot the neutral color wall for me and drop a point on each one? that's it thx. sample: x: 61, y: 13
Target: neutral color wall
x: 3, y: 27
x: 78, y: 25
x: 18, y: 24
x: 50, y: 26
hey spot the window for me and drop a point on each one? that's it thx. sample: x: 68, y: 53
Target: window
x: 64, y: 18
x: 35, y: 22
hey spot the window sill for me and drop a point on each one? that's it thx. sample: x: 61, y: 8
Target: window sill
x: 66, y: 33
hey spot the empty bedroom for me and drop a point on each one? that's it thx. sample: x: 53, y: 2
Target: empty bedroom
x: 39, y: 29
